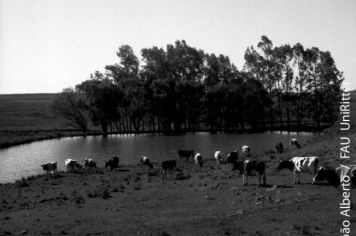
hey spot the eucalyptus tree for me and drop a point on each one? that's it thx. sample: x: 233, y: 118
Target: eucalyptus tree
x: 127, y: 82
x: 256, y: 100
x: 264, y: 68
x: 324, y: 83
x: 299, y: 106
x: 101, y: 99
x: 284, y: 82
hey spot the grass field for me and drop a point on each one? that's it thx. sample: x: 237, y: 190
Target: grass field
x: 29, y: 112
x: 27, y: 117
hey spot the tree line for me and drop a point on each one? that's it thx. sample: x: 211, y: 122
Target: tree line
x: 181, y: 88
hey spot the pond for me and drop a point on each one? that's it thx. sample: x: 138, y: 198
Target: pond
x: 25, y: 160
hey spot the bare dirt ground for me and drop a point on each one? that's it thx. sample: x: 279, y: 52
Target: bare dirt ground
x: 207, y: 201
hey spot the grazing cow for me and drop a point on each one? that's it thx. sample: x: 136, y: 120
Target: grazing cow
x: 294, y: 143
x: 198, y: 159
x: 279, y: 147
x: 232, y: 157
x: 145, y: 161
x: 247, y: 167
x: 89, y: 163
x: 168, y: 165
x: 112, y: 163
x: 218, y: 157
x: 185, y: 154
x: 72, y: 164
x: 335, y: 176
x: 246, y: 149
x: 300, y: 164
x: 51, y: 166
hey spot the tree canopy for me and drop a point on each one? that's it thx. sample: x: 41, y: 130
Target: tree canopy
x: 181, y: 88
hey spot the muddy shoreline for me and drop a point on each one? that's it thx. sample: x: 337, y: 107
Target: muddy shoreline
x: 207, y: 201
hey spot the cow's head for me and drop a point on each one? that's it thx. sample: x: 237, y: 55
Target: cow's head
x: 284, y: 164
x: 44, y: 167
x: 320, y: 175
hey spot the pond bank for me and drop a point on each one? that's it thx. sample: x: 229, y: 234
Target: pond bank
x: 10, y: 138
x: 207, y: 201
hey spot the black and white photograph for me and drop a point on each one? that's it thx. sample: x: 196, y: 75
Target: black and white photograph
x: 178, y: 117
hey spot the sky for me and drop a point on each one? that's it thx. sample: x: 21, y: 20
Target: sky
x: 49, y: 45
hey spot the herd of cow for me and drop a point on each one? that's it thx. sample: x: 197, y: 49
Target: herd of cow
x: 247, y: 167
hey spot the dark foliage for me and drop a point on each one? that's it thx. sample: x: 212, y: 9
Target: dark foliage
x: 181, y: 88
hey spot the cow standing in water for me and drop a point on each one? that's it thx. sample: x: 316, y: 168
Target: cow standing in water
x: 300, y: 164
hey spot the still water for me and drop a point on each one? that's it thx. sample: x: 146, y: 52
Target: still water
x: 25, y: 160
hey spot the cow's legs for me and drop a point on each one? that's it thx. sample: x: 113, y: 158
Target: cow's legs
x: 163, y: 174
x: 245, y: 179
x: 294, y: 177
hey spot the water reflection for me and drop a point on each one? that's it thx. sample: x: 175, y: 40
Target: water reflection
x: 25, y: 160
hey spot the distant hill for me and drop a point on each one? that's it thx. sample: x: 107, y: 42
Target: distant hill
x: 29, y: 112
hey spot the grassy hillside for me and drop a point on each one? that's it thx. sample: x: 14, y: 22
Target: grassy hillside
x: 27, y: 117
x: 29, y: 112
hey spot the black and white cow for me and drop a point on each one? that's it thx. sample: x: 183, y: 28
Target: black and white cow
x: 89, y: 163
x: 294, y: 143
x: 335, y: 176
x: 232, y: 157
x: 218, y: 157
x: 166, y: 166
x: 72, y: 164
x: 185, y: 154
x: 279, y: 147
x: 298, y: 165
x: 145, y: 161
x: 113, y: 163
x: 198, y: 159
x: 49, y: 167
x: 247, y: 168
x: 245, y: 149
